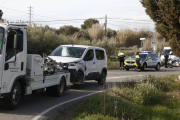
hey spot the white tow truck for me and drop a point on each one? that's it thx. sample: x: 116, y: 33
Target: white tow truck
x: 22, y: 73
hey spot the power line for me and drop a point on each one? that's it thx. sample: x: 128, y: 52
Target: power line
x: 67, y: 20
x: 131, y: 22
x: 14, y: 10
x: 130, y: 19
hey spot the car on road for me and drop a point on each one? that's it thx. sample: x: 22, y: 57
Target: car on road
x: 148, y: 60
x: 84, y: 62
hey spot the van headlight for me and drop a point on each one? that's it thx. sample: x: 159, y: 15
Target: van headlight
x: 72, y: 64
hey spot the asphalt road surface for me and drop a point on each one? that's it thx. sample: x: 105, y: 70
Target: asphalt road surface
x: 40, y: 106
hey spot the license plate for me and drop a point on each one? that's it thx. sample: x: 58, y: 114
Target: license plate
x: 130, y: 64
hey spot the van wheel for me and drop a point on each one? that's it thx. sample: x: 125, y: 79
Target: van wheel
x: 15, y: 96
x: 80, y: 77
x: 102, y: 80
x: 59, y: 89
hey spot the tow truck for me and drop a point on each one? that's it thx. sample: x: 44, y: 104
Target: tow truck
x: 22, y: 73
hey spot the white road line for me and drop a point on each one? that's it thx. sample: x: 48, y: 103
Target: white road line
x: 46, y: 111
x: 49, y: 109
x: 123, y: 76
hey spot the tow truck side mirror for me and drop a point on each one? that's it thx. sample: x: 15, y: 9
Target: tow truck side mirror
x: 6, y: 66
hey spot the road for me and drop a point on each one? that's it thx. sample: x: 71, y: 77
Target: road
x: 40, y: 103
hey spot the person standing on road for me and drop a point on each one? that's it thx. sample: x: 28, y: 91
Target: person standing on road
x: 166, y: 56
x: 138, y: 62
x: 121, y: 57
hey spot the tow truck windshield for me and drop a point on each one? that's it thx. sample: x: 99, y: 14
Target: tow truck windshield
x: 1, y: 37
x: 65, y: 51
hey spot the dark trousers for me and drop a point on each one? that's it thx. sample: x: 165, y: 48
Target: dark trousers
x: 166, y: 60
x: 121, y: 60
x: 138, y: 63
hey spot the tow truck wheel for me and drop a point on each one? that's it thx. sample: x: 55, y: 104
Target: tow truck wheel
x: 15, y: 96
x: 59, y: 89
x: 102, y: 80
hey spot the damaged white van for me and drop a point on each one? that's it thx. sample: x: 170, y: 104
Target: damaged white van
x: 84, y: 62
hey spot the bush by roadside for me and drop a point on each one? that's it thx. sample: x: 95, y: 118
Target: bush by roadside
x: 158, y: 99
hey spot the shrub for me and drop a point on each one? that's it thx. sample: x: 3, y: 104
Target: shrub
x: 111, y: 33
x: 68, y: 30
x: 96, y: 32
x: 146, y: 93
x: 83, y: 34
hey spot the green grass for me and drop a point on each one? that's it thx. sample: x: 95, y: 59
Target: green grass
x: 154, y: 98
x: 113, y: 65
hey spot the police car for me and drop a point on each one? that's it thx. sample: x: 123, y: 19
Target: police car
x: 148, y: 60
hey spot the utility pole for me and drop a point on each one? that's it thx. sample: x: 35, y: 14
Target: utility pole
x: 105, y: 24
x: 30, y: 11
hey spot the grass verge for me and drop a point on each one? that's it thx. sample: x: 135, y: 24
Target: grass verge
x: 154, y: 98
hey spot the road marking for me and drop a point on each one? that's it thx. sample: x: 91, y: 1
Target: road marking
x: 46, y: 111
x: 49, y: 109
x: 124, y: 76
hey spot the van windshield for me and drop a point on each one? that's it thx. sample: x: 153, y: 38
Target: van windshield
x: 65, y: 51
x: 1, y: 37
x: 167, y: 50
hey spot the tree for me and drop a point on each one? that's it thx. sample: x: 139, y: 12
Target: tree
x: 1, y: 13
x: 88, y: 23
x: 166, y: 15
x: 83, y: 34
x: 111, y: 33
x: 68, y: 30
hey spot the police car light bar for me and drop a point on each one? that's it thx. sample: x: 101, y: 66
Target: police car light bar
x: 144, y: 51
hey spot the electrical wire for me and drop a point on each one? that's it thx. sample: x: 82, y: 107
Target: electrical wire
x: 66, y: 20
x: 130, y: 19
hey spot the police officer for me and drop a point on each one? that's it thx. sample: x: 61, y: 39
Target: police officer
x: 138, y: 62
x: 166, y: 56
x: 121, y: 57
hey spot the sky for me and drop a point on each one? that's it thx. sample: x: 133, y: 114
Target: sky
x: 121, y: 14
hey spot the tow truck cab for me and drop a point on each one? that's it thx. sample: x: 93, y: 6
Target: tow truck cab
x: 21, y: 73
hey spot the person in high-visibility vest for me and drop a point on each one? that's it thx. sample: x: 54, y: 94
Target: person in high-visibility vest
x: 121, y: 57
x: 138, y: 62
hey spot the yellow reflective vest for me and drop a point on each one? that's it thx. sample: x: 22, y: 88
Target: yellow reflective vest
x: 121, y: 55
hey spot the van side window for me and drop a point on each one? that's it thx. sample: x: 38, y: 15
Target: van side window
x: 89, y: 55
x: 10, y: 51
x: 100, y: 55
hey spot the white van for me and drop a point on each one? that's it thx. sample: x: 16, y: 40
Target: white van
x: 165, y: 50
x: 84, y: 62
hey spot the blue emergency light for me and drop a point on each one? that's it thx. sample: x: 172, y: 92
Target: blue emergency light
x: 144, y: 51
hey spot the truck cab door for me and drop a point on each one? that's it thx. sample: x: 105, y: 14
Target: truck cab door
x: 14, y: 61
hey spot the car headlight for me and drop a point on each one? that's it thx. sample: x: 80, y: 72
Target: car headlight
x: 72, y: 64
